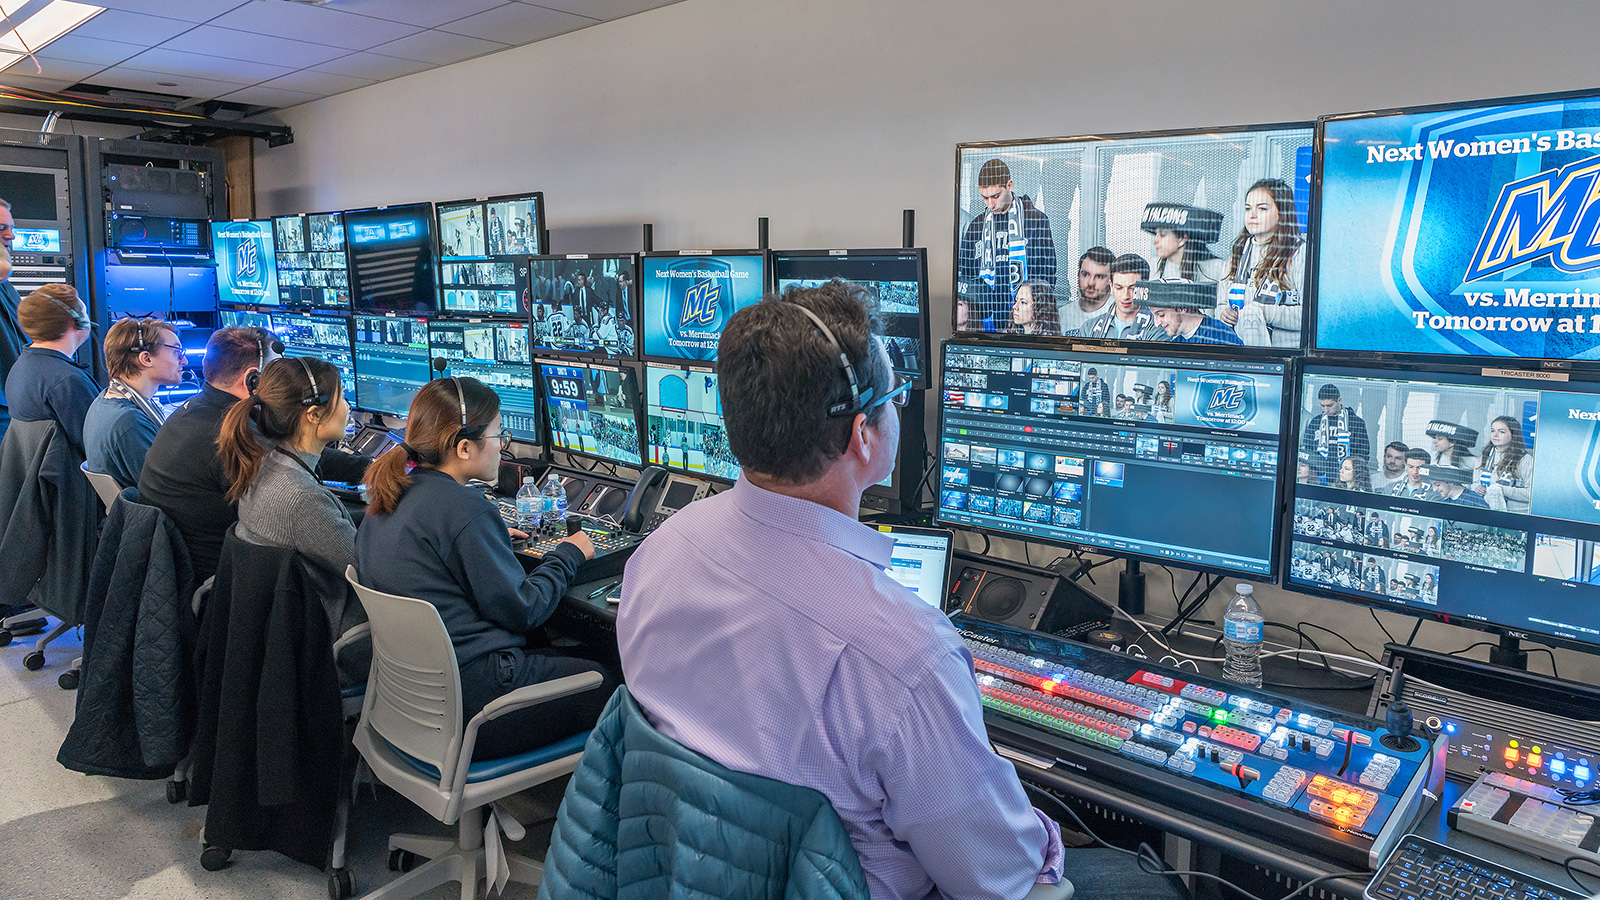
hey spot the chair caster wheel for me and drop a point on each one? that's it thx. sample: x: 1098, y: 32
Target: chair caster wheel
x: 68, y: 680
x: 402, y: 860
x: 33, y: 661
x: 177, y: 792
x: 341, y: 884
x: 215, y: 859
x: 5, y: 637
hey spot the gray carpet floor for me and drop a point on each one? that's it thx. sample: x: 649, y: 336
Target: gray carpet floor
x: 63, y: 834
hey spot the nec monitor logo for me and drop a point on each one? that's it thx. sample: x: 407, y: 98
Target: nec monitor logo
x: 1554, y: 213
x: 700, y: 304
x: 1224, y: 401
x: 247, y: 259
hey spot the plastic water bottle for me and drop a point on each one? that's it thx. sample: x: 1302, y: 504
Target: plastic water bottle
x: 1241, y: 637
x: 555, y: 501
x: 530, y: 506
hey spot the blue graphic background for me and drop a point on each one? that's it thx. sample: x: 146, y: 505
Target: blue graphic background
x: 1565, y: 482
x: 1196, y: 388
x: 743, y: 284
x: 257, y: 288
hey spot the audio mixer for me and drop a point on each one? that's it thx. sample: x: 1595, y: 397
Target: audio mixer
x: 612, y: 547
x: 1335, y: 783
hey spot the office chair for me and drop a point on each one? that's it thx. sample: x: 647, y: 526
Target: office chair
x: 411, y: 735
x: 104, y: 485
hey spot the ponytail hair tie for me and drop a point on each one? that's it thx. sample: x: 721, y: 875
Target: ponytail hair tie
x: 411, y: 453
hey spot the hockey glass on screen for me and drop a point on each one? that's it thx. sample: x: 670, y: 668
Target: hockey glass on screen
x: 684, y: 418
x: 1461, y: 494
x: 392, y: 364
x: 324, y: 337
x: 1158, y: 456
x: 593, y: 410
x: 495, y: 353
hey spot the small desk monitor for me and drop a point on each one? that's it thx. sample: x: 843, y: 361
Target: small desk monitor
x: 391, y: 362
x: 684, y: 421
x: 921, y: 560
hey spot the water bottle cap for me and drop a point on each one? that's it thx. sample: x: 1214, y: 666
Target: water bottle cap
x: 1244, y: 588
x: 527, y: 479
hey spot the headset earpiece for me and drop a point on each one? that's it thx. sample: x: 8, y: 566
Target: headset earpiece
x: 474, y: 432
x: 316, y: 397
x: 79, y: 319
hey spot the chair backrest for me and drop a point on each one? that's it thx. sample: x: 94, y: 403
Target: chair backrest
x: 104, y: 485
x: 414, y: 691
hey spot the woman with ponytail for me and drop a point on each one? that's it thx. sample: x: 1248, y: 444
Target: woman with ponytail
x: 428, y: 534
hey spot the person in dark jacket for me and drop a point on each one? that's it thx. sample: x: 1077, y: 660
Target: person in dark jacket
x: 46, y: 383
x: 429, y: 535
x: 1006, y: 245
x: 141, y: 355
x: 12, y: 340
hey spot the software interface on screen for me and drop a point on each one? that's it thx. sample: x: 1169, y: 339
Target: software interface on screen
x: 324, y: 337
x: 593, y: 409
x: 897, y: 280
x: 684, y: 421
x: 688, y: 299
x: 391, y: 362
x: 497, y: 355
x: 1139, y: 454
x: 247, y: 273
x: 920, y: 561
x: 311, y: 261
x: 583, y: 304
x: 391, y: 258
x: 1466, y: 495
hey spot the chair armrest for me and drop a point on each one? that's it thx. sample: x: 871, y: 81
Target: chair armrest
x: 200, y: 594
x: 521, y: 698
x: 364, y: 630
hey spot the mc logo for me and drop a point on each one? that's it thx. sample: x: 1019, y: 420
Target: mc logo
x: 246, y: 259
x: 1226, y: 399
x: 700, y: 304
x: 1553, y: 213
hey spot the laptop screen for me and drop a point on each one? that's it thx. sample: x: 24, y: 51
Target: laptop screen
x: 921, y: 561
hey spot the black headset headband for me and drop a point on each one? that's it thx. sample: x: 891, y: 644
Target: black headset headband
x: 857, y: 401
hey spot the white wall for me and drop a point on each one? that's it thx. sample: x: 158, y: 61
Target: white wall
x: 831, y: 116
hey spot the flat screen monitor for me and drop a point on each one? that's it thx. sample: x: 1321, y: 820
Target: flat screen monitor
x: 1144, y: 455
x: 247, y: 273
x: 37, y: 240
x: 684, y: 421
x: 584, y: 303
x: 485, y: 287
x: 1451, y: 492
x: 1042, y: 221
x: 239, y: 318
x: 325, y: 337
x: 516, y: 224
x: 689, y: 295
x: 391, y: 362
x: 897, y: 278
x: 391, y: 258
x: 1465, y: 230
x: 495, y: 353
x: 462, y: 234
x: 593, y: 409
x: 311, y: 261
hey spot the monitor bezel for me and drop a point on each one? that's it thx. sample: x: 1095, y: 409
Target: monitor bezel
x: 1190, y: 352
x: 277, y: 293
x: 350, y: 263
x: 766, y: 289
x: 634, y: 306
x: 1314, y: 259
x: 924, y: 378
x: 644, y: 436
x: 1311, y: 217
x: 355, y: 364
x: 639, y: 415
x: 538, y: 201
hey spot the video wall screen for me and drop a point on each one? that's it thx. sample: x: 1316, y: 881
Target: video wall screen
x: 593, y: 410
x: 391, y: 258
x: 684, y: 421
x: 584, y: 304
x: 247, y: 273
x: 1039, y: 225
x: 688, y: 297
x: 1478, y: 232
x: 897, y: 281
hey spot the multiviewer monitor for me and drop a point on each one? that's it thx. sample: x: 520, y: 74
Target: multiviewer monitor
x: 391, y: 362
x: 593, y: 409
x: 584, y: 303
x: 391, y: 258
x: 1145, y: 455
x: 239, y: 318
x: 311, y: 262
x: 689, y: 295
x: 898, y: 279
x: 684, y: 421
x: 1462, y: 230
x: 495, y: 353
x: 247, y: 273
x: 1040, y: 223
x: 324, y: 337
x: 1452, y: 492
x: 490, y: 287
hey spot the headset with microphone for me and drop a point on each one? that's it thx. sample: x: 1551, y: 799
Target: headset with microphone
x: 79, y: 319
x: 253, y: 380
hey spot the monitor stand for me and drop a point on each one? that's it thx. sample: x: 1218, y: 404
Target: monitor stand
x: 1509, y: 653
x: 1130, y: 589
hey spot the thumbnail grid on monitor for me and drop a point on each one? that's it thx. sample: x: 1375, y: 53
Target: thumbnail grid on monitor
x: 497, y: 354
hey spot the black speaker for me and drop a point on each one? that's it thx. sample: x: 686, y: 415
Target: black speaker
x: 1022, y: 596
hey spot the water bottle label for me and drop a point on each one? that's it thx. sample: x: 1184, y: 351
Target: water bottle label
x: 1247, y: 632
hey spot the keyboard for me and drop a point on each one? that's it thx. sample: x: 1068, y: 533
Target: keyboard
x: 1528, y: 816
x: 1420, y: 869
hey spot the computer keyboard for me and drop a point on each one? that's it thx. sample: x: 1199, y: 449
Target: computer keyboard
x: 1528, y: 816
x: 1420, y: 869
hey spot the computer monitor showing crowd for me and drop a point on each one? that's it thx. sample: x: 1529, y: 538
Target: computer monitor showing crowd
x: 897, y: 281
x: 1419, y: 490
x: 324, y: 337
x: 684, y: 421
x: 584, y: 304
x: 497, y: 354
x: 593, y: 410
x: 1164, y: 457
x: 311, y: 261
x: 391, y: 362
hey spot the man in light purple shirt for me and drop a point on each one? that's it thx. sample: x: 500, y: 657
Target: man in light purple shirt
x: 760, y: 628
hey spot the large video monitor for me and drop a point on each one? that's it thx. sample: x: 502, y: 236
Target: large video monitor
x: 312, y: 276
x: 584, y: 303
x: 593, y: 409
x: 1145, y: 455
x: 247, y: 273
x: 1418, y: 491
x: 495, y: 353
x: 1039, y: 224
x: 324, y: 337
x: 687, y: 297
x: 391, y: 362
x: 1462, y: 230
x: 684, y: 421
x: 897, y: 278
x: 391, y: 258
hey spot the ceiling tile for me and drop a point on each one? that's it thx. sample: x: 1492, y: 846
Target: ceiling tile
x: 199, y: 65
x: 118, y: 25
x: 161, y: 82
x: 372, y: 65
x: 36, y: 83
x: 517, y: 23
x: 426, y: 13
x: 226, y: 42
x: 604, y: 9
x: 438, y: 47
x: 323, y: 83
x: 264, y: 96
x: 88, y: 50
x: 54, y: 69
x: 187, y: 10
x: 322, y: 24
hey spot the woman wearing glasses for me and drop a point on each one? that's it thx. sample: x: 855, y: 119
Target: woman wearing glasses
x: 142, y: 355
x: 429, y: 534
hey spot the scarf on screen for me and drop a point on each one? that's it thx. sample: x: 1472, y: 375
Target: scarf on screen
x: 117, y: 390
x: 1102, y: 325
x: 1329, y: 433
x: 1006, y: 243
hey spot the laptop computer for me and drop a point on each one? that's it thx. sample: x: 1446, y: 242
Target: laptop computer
x: 921, y: 560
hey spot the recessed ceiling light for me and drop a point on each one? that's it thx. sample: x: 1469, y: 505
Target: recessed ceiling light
x: 39, y: 29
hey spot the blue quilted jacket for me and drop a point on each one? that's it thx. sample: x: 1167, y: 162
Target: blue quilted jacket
x: 645, y: 817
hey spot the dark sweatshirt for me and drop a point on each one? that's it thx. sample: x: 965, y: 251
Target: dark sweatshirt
x: 446, y: 544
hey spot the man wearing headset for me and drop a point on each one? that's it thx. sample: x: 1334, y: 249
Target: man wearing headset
x: 182, y: 473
